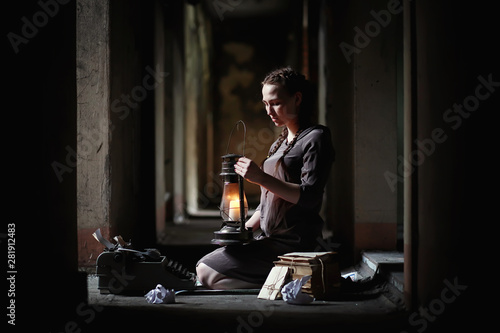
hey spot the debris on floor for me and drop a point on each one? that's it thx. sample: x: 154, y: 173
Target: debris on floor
x: 160, y: 295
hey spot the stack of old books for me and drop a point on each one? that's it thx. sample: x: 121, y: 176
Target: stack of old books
x: 322, y: 266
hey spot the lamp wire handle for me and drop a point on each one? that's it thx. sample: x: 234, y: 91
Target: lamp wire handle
x: 244, y: 135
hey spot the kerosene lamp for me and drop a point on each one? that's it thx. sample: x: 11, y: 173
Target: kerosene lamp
x: 234, y: 205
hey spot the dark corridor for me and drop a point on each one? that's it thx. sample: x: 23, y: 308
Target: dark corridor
x: 120, y: 109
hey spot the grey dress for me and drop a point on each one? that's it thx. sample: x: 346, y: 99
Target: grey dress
x: 286, y: 227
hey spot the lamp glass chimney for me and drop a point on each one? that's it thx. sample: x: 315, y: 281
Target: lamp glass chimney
x: 230, y: 206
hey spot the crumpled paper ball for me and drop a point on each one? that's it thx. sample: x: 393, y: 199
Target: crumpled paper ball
x: 160, y: 295
x: 292, y: 292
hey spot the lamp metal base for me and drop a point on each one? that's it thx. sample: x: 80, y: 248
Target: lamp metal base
x: 230, y: 235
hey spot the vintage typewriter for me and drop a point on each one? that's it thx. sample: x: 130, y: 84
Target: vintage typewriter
x: 123, y: 270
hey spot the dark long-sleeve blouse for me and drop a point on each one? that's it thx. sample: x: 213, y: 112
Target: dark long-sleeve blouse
x: 308, y: 164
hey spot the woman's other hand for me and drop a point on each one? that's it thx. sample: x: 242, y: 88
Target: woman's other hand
x: 249, y: 170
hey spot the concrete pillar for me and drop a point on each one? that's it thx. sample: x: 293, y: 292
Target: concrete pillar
x: 198, y: 107
x: 410, y: 186
x: 440, y: 145
x: 116, y: 82
x: 93, y: 125
x: 160, y: 124
x: 335, y: 104
x: 178, y: 142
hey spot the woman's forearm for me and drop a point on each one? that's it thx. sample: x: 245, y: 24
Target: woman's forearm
x: 287, y: 191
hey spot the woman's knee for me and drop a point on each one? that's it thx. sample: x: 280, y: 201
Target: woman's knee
x: 212, y: 279
x: 207, y: 275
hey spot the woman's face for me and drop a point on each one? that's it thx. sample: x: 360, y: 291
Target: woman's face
x: 280, y: 105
